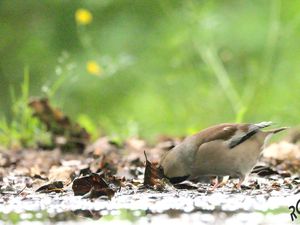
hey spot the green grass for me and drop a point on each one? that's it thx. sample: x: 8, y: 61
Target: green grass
x: 169, y: 67
x: 23, y: 130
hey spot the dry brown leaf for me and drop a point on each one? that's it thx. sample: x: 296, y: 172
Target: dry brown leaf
x: 263, y: 171
x: 56, y: 186
x: 65, y: 133
x: 152, y: 176
x: 94, y: 184
x: 102, y: 146
x: 62, y: 173
x: 96, y: 193
x: 282, y: 151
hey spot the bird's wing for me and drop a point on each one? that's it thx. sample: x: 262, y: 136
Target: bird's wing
x: 246, y: 132
x: 234, y: 134
x: 219, y: 132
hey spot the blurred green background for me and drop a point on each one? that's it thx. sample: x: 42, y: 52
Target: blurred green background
x: 158, y: 66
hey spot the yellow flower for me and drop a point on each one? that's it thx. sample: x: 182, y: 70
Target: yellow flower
x: 94, y: 68
x: 83, y: 16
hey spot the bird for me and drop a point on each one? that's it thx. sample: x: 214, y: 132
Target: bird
x: 228, y: 149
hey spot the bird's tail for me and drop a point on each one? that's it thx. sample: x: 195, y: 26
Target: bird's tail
x: 267, y: 124
x: 277, y: 130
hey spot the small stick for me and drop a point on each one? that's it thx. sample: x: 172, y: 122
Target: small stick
x: 21, y: 191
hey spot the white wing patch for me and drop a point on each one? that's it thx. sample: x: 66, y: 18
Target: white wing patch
x: 263, y: 124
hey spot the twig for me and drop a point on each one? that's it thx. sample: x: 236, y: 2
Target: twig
x: 21, y: 191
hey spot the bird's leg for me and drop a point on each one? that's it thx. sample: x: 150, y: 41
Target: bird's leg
x: 216, y: 183
x: 241, y: 180
x: 224, y: 181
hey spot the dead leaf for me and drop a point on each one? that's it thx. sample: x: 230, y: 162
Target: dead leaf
x: 36, y: 164
x: 152, y: 176
x: 96, y: 193
x: 275, y: 185
x: 102, y: 146
x: 93, y: 184
x: 4, y: 159
x: 56, y: 186
x: 62, y: 173
x: 135, y: 144
x: 186, y: 186
x: 282, y: 151
x: 65, y: 133
x: 263, y: 171
x: 116, y: 181
x: 106, y: 164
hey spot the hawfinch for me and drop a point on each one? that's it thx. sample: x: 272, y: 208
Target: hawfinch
x: 221, y: 150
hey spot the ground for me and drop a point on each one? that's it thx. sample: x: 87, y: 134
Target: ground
x: 110, y: 180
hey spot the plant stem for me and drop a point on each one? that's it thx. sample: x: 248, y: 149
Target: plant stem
x: 210, y: 57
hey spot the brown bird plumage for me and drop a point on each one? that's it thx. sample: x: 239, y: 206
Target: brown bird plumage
x: 221, y: 150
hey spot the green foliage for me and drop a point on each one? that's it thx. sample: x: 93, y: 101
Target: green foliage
x: 86, y: 122
x: 146, y: 68
x: 23, y: 130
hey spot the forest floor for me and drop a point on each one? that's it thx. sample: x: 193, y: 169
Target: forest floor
x: 106, y: 183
